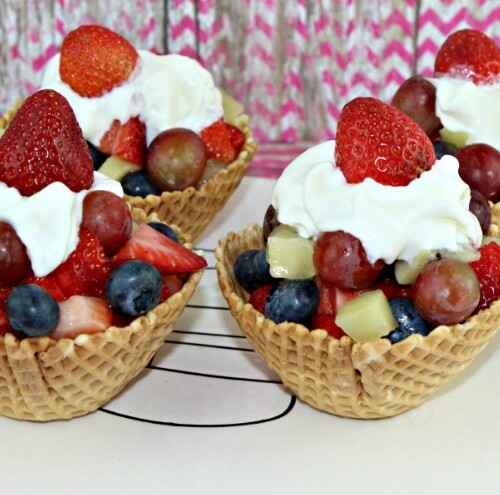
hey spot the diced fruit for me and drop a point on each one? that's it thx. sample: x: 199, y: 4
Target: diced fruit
x: 244, y: 271
x: 479, y: 167
x: 109, y: 218
x: 326, y: 322
x: 151, y: 246
x: 237, y: 137
x: 14, y: 261
x: 293, y: 301
x: 331, y: 298
x: 171, y: 285
x: 469, y: 54
x: 409, y: 321
x: 341, y: 260
x: 406, y: 273
x: 480, y: 207
x: 446, y: 292
x: 259, y: 297
x: 270, y: 222
x: 4, y: 320
x: 32, y: 310
x: 134, y: 288
x: 487, y: 270
x: 44, y: 144
x: 367, y: 317
x: 82, y: 314
x: 218, y: 142
x: 416, y: 97
x: 457, y: 139
x: 232, y: 107
x: 376, y: 140
x: 442, y: 148
x: 47, y: 283
x: 290, y: 255
x: 95, y: 59
x: 261, y: 267
x: 117, y: 168
x: 176, y: 159
x: 139, y: 184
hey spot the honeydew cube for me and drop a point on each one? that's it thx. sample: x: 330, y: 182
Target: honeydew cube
x: 406, y: 273
x: 232, y: 107
x: 488, y: 238
x: 456, y: 138
x: 367, y: 317
x: 116, y: 168
x: 2, y: 130
x: 289, y: 255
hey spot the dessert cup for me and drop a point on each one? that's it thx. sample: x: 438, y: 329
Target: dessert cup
x: 43, y: 380
x: 370, y: 380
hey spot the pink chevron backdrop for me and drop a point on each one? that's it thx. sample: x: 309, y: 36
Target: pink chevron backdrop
x: 293, y: 64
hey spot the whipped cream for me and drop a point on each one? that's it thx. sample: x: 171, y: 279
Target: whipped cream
x: 432, y: 212
x: 474, y: 109
x: 48, y: 221
x: 165, y: 91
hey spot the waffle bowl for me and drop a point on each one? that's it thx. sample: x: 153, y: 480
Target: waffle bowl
x: 44, y: 380
x: 191, y: 209
x: 371, y: 380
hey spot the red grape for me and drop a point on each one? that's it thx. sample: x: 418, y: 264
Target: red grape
x: 108, y: 217
x: 14, y: 260
x: 270, y: 221
x: 416, y: 97
x: 446, y: 292
x: 480, y: 207
x: 479, y: 167
x: 176, y: 159
x: 341, y: 260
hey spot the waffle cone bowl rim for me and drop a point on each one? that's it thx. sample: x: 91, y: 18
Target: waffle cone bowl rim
x: 40, y: 357
x: 340, y: 376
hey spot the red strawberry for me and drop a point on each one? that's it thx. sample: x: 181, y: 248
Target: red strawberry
x: 218, y: 142
x: 44, y: 144
x: 487, y: 270
x: 171, y: 285
x: 81, y: 314
x: 151, y: 246
x: 4, y: 321
x: 471, y: 55
x: 326, y: 322
x: 332, y: 298
x: 259, y: 296
x: 48, y: 283
x: 376, y: 140
x: 95, y: 59
x: 127, y: 141
x: 237, y: 137
x: 86, y: 270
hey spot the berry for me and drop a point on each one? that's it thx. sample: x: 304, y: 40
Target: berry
x: 168, y: 256
x: 376, y: 140
x: 176, y: 159
x: 480, y: 207
x: 94, y: 60
x: 261, y: 267
x: 109, y: 218
x: 244, y: 271
x: 98, y: 157
x: 47, y: 283
x: 469, y: 54
x: 14, y: 260
x: 479, y: 167
x: 442, y: 148
x: 218, y: 141
x: 32, y: 310
x: 487, y: 270
x: 340, y: 259
x: 134, y: 288
x: 44, y: 144
x: 237, y: 138
x: 409, y: 321
x: 139, y: 184
x: 326, y: 322
x: 292, y: 300
x: 259, y: 297
x: 270, y: 221
x: 446, y: 292
x: 82, y: 314
x: 165, y: 230
x: 416, y: 97
x: 126, y: 141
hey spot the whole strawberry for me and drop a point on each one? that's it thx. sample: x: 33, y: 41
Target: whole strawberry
x: 487, y: 270
x: 375, y: 140
x: 95, y: 59
x: 469, y: 54
x: 44, y: 144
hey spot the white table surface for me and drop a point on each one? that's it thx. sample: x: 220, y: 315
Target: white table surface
x: 209, y: 418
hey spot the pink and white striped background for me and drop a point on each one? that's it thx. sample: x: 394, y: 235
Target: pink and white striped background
x: 294, y: 64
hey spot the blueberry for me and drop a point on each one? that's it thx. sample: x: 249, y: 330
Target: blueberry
x: 32, y: 310
x: 134, y: 288
x: 244, y: 272
x: 261, y: 268
x: 165, y: 230
x: 293, y: 301
x: 409, y: 321
x: 98, y: 157
x: 138, y: 184
x: 441, y: 148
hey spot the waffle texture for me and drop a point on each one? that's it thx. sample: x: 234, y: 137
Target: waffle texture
x: 342, y: 377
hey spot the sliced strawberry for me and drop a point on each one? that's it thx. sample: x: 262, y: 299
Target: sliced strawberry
x: 326, y: 322
x: 237, y: 137
x: 95, y: 59
x: 471, y: 55
x: 44, y: 144
x: 127, y: 141
x: 48, y: 283
x: 392, y: 289
x: 487, y: 270
x: 151, y: 246
x: 4, y: 320
x: 86, y: 270
x: 171, y: 285
x: 218, y: 142
x: 331, y: 298
x: 81, y: 314
x: 259, y: 296
x: 376, y: 140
